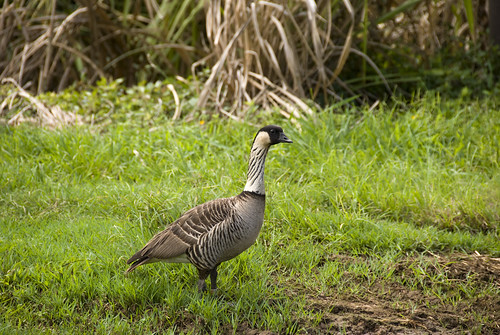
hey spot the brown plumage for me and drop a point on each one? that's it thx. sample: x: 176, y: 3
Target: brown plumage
x: 218, y: 230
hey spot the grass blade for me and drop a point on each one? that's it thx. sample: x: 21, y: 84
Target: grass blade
x: 469, y: 12
x: 404, y: 7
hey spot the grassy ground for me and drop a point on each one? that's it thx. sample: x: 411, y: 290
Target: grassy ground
x: 375, y: 222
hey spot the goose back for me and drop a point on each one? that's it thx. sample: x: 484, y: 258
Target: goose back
x: 177, y: 238
x: 207, y: 234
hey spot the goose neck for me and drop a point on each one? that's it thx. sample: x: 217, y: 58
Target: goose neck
x: 255, y: 175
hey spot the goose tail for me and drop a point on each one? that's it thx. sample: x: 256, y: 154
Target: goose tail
x: 136, y: 261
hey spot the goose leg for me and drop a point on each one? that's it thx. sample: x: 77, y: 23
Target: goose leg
x: 213, y: 279
x: 202, y: 275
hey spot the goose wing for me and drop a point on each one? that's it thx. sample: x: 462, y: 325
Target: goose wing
x: 183, y: 233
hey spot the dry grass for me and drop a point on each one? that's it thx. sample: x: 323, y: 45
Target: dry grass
x: 274, y: 54
x: 32, y: 110
x: 279, y: 53
x: 270, y: 53
x: 44, y: 49
x: 427, y: 26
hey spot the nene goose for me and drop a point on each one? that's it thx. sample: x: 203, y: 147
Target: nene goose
x: 218, y: 230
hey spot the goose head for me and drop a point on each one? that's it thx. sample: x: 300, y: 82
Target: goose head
x: 270, y: 135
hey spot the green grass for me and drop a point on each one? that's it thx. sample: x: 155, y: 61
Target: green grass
x: 357, y: 207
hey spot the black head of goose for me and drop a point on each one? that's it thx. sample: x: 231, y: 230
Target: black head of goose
x: 218, y: 230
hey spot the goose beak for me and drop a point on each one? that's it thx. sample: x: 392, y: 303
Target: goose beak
x: 284, y: 139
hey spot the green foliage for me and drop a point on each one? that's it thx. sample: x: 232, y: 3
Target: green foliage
x: 356, y: 206
x: 469, y: 12
x: 403, y: 8
x: 473, y: 73
x: 145, y: 104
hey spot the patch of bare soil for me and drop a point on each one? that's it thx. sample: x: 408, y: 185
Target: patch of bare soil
x: 397, y: 309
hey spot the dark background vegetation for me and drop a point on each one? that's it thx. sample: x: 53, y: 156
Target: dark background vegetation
x: 240, y: 53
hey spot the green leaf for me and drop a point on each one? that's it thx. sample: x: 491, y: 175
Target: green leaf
x: 405, y: 6
x: 470, y: 17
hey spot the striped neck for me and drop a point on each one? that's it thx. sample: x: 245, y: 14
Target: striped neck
x: 255, y: 176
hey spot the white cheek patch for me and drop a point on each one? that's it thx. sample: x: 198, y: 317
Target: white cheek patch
x: 262, y: 139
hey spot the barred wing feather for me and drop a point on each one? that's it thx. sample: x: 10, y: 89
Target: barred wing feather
x: 185, y: 232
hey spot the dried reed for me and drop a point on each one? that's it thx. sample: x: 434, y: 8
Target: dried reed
x: 41, y: 113
x: 46, y: 50
x: 276, y: 54
x: 287, y: 54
